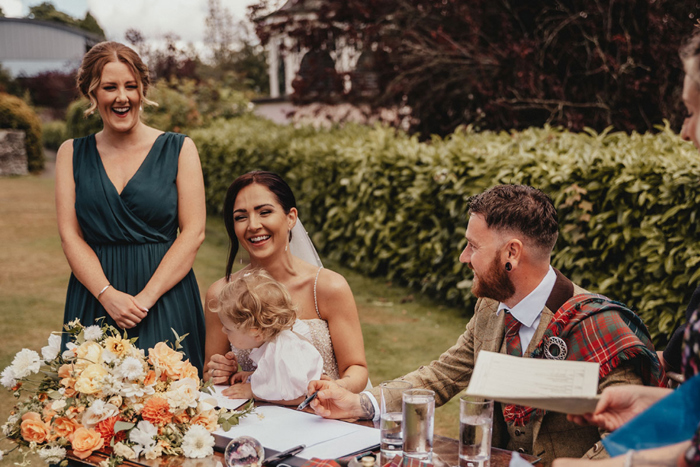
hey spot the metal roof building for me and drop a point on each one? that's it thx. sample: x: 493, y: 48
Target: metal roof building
x: 29, y: 47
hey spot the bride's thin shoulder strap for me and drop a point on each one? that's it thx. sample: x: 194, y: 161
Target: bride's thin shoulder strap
x: 315, y: 297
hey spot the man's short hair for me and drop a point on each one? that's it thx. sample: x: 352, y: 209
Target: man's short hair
x: 519, y: 208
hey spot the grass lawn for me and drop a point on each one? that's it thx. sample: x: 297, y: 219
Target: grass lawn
x: 402, y: 330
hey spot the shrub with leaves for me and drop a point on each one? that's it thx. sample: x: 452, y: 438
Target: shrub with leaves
x: 15, y: 114
x: 387, y: 204
x: 53, y: 134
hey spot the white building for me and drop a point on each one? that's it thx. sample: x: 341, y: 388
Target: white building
x: 29, y: 47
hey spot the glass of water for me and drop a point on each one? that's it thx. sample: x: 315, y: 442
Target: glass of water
x: 418, y: 421
x: 391, y: 417
x: 475, y: 424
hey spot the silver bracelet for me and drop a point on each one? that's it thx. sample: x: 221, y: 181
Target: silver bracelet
x: 628, y: 458
x: 103, y: 290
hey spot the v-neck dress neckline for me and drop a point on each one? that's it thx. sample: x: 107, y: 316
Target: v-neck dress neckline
x: 143, y: 163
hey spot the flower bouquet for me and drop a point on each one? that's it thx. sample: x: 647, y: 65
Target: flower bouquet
x: 105, y: 394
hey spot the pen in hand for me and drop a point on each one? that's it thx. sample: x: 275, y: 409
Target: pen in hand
x: 306, y: 401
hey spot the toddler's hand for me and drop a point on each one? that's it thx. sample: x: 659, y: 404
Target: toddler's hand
x: 238, y: 391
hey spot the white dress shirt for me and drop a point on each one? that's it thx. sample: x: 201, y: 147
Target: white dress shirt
x: 528, y: 311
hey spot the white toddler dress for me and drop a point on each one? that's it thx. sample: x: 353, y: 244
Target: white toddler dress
x: 285, y: 365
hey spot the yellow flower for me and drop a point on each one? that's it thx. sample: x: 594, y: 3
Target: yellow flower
x: 89, y: 353
x: 90, y: 380
x: 117, y: 346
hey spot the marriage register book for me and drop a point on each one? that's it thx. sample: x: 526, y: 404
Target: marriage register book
x: 565, y: 386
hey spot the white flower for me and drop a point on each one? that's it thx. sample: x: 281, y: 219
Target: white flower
x: 1, y: 454
x: 108, y: 357
x: 99, y: 410
x: 131, y: 368
x: 8, y: 378
x: 92, y: 333
x: 53, y: 454
x: 25, y: 363
x: 135, y: 391
x: 50, y: 352
x: 122, y: 450
x: 144, y: 436
x: 183, y: 393
x: 198, y: 442
x: 153, y: 452
x: 69, y: 353
x: 58, y: 405
x: 111, y: 385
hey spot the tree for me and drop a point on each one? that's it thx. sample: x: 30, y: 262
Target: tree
x: 501, y: 64
x: 2, y: 13
x: 90, y: 24
x: 220, y: 34
x: 47, y: 12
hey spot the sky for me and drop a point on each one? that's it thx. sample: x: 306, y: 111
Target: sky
x: 154, y: 18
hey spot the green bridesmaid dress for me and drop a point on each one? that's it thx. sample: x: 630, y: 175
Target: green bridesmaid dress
x: 130, y: 233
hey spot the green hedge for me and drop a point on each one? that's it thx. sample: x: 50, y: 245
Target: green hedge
x: 15, y: 114
x: 386, y: 204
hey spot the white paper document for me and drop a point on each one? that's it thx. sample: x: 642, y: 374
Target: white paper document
x: 558, y: 385
x: 281, y: 428
x: 223, y: 401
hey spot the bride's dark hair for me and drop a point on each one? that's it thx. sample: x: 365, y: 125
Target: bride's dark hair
x: 274, y: 183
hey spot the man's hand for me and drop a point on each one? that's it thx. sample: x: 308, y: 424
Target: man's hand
x: 334, y: 401
x: 220, y: 368
x: 619, y: 404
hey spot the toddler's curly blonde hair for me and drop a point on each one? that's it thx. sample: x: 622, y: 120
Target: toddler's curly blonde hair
x: 257, y: 301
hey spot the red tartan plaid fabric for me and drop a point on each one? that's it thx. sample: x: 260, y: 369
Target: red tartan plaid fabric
x: 316, y: 462
x: 597, y: 329
x: 401, y: 461
x: 513, y: 345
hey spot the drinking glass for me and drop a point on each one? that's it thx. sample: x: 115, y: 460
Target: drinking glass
x: 418, y: 421
x: 475, y: 424
x: 390, y: 418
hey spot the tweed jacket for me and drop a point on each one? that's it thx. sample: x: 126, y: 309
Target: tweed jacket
x: 549, y: 436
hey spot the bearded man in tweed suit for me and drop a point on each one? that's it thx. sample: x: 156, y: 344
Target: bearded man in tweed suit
x: 511, y: 233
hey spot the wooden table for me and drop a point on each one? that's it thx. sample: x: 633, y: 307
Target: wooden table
x: 445, y: 453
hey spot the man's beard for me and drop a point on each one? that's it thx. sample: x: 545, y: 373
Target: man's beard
x: 494, y: 283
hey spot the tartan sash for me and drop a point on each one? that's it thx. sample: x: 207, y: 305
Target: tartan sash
x: 596, y: 329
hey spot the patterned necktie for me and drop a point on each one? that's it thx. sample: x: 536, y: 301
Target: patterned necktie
x: 512, y: 335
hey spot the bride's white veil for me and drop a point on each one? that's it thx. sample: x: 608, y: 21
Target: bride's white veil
x: 301, y: 246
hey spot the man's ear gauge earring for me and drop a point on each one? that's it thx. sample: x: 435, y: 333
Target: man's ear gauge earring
x: 509, y: 266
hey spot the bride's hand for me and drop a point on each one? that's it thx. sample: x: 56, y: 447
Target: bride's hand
x: 220, y: 368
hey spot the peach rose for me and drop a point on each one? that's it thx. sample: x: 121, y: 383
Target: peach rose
x: 90, y: 380
x: 65, y: 371
x: 189, y: 371
x: 85, y: 441
x: 166, y: 359
x: 89, y: 353
x: 208, y: 419
x: 63, y: 427
x: 33, y: 428
x: 150, y: 378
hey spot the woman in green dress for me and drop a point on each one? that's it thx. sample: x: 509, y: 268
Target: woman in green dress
x: 122, y: 194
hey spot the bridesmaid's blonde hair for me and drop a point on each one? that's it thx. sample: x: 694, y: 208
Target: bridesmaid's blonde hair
x: 257, y: 301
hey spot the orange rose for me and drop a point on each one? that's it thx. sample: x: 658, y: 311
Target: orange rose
x: 63, y: 427
x: 33, y: 428
x: 182, y: 417
x: 208, y: 420
x: 157, y: 411
x: 85, y: 441
x: 166, y: 359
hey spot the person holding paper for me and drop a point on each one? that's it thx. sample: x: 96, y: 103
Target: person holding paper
x: 529, y: 309
x: 619, y: 405
x: 257, y: 313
